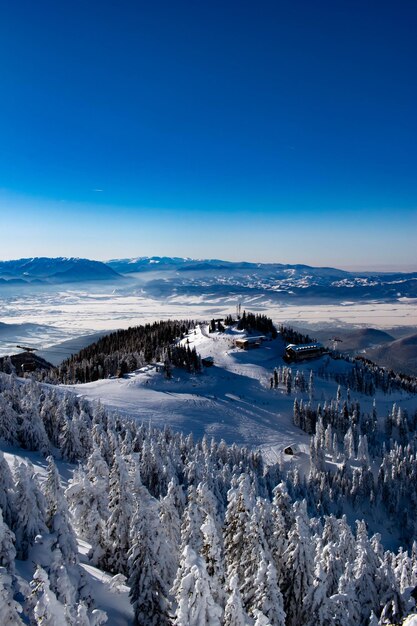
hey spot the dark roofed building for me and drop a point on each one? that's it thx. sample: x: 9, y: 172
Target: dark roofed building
x: 303, y: 352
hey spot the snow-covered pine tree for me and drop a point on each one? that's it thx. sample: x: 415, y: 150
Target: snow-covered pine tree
x: 8, y: 421
x: 30, y: 509
x: 234, y: 613
x: 334, y: 549
x: 10, y: 610
x: 212, y: 553
x: 195, y: 605
x: 365, y: 573
x: 50, y: 416
x: 268, y: 598
x: 83, y: 505
x: 7, y: 549
x: 171, y: 526
x: 7, y: 495
x: 31, y: 433
x: 117, y: 527
x: 98, y: 475
x: 318, y: 608
x: 69, y: 440
x: 148, y: 571
x: 346, y: 608
x: 191, y: 522
x: 311, y: 386
x: 57, y: 515
x: 47, y: 610
x: 299, y: 558
x: 61, y: 583
x: 241, y: 502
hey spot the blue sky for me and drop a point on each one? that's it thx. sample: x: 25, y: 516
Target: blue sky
x: 237, y: 130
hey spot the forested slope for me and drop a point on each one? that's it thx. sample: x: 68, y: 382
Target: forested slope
x: 205, y: 533
x: 124, y: 351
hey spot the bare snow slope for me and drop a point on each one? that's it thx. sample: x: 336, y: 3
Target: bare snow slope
x: 231, y: 400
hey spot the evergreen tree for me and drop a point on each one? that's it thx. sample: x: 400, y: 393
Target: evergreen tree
x: 268, y: 599
x: 192, y: 521
x: 57, y: 515
x: 170, y: 522
x: 10, y: 610
x: 83, y: 502
x: 48, y: 611
x: 61, y: 583
x: 194, y: 600
x: 241, y: 503
x: 289, y: 382
x: 7, y: 549
x: 31, y: 433
x: 117, y: 528
x: 365, y: 572
x: 7, y: 495
x: 30, y: 510
x: 299, y: 557
x: 234, y: 613
x: 311, y: 386
x: 213, y: 557
x: 8, y: 421
x: 147, y: 565
x: 70, y: 443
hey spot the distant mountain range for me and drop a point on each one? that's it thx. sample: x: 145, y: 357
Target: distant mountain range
x: 158, y: 263
x: 43, y: 270
x: 165, y: 276
x: 162, y: 277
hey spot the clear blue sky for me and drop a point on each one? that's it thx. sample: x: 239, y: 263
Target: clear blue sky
x: 270, y: 131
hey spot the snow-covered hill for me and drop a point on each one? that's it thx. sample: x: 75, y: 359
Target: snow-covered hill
x: 232, y: 400
x: 400, y: 355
